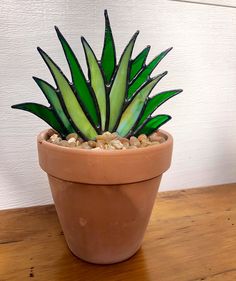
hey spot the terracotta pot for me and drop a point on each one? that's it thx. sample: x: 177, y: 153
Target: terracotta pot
x: 104, y: 199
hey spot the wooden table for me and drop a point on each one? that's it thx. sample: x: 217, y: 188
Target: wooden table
x: 191, y: 237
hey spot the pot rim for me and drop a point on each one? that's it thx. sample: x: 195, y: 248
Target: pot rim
x: 41, y: 139
x: 104, y: 167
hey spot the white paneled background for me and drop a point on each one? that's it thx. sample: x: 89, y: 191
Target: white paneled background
x: 203, y: 63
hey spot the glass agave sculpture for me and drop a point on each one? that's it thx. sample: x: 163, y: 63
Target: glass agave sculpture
x: 114, y: 98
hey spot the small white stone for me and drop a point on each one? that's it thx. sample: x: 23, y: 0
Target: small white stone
x: 117, y: 144
x: 134, y: 141
x: 72, y: 140
x: 54, y: 137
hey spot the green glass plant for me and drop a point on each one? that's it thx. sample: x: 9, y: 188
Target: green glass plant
x: 114, y: 98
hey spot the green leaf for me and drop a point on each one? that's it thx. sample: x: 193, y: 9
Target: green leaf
x: 72, y: 105
x: 44, y: 113
x: 52, y: 96
x: 119, y: 86
x: 138, y: 62
x: 133, y: 110
x: 97, y: 81
x: 154, y: 102
x: 145, y: 73
x: 152, y: 124
x: 108, y: 60
x: 83, y: 91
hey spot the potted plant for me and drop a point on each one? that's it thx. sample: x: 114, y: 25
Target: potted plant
x: 105, y: 154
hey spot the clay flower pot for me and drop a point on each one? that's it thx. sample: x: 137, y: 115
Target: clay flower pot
x: 103, y: 198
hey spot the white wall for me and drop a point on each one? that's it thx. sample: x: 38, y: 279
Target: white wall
x: 203, y: 63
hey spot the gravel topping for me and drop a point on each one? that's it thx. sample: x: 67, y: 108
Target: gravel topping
x: 107, y: 141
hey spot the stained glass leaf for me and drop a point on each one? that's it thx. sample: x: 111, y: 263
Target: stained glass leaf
x: 145, y: 73
x: 108, y: 60
x: 154, y: 102
x: 119, y: 86
x: 72, y: 105
x: 152, y: 124
x: 44, y: 113
x: 52, y: 96
x: 97, y: 81
x: 138, y: 62
x: 132, y: 112
x: 85, y: 95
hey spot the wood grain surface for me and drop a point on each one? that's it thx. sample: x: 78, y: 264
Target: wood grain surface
x: 191, y: 237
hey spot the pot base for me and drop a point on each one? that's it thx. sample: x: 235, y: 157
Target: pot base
x: 104, y: 224
x: 107, y: 263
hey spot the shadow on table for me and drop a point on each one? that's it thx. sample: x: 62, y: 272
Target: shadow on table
x: 76, y: 269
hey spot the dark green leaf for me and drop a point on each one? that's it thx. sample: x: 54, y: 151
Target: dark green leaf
x: 145, y: 73
x: 108, y: 60
x: 152, y: 124
x: 154, y: 102
x: 138, y: 62
x: 44, y: 113
x: 81, y: 86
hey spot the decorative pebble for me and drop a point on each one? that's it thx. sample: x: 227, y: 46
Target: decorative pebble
x: 100, y: 143
x: 108, y: 136
x: 78, y: 143
x: 134, y: 141
x: 125, y: 142
x: 115, y: 135
x: 72, y: 135
x: 161, y: 139
x: 106, y: 141
x: 108, y: 146
x: 85, y: 145
x: 117, y: 144
x: 92, y: 144
x: 53, y: 138
x: 142, y: 137
x: 64, y: 143
x: 72, y: 140
x: 155, y: 137
x: 80, y: 140
x: 145, y: 143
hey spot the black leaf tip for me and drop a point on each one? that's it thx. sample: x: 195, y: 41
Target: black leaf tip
x: 36, y: 80
x: 40, y: 50
x: 59, y: 34
x: 134, y: 37
x: 84, y: 41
